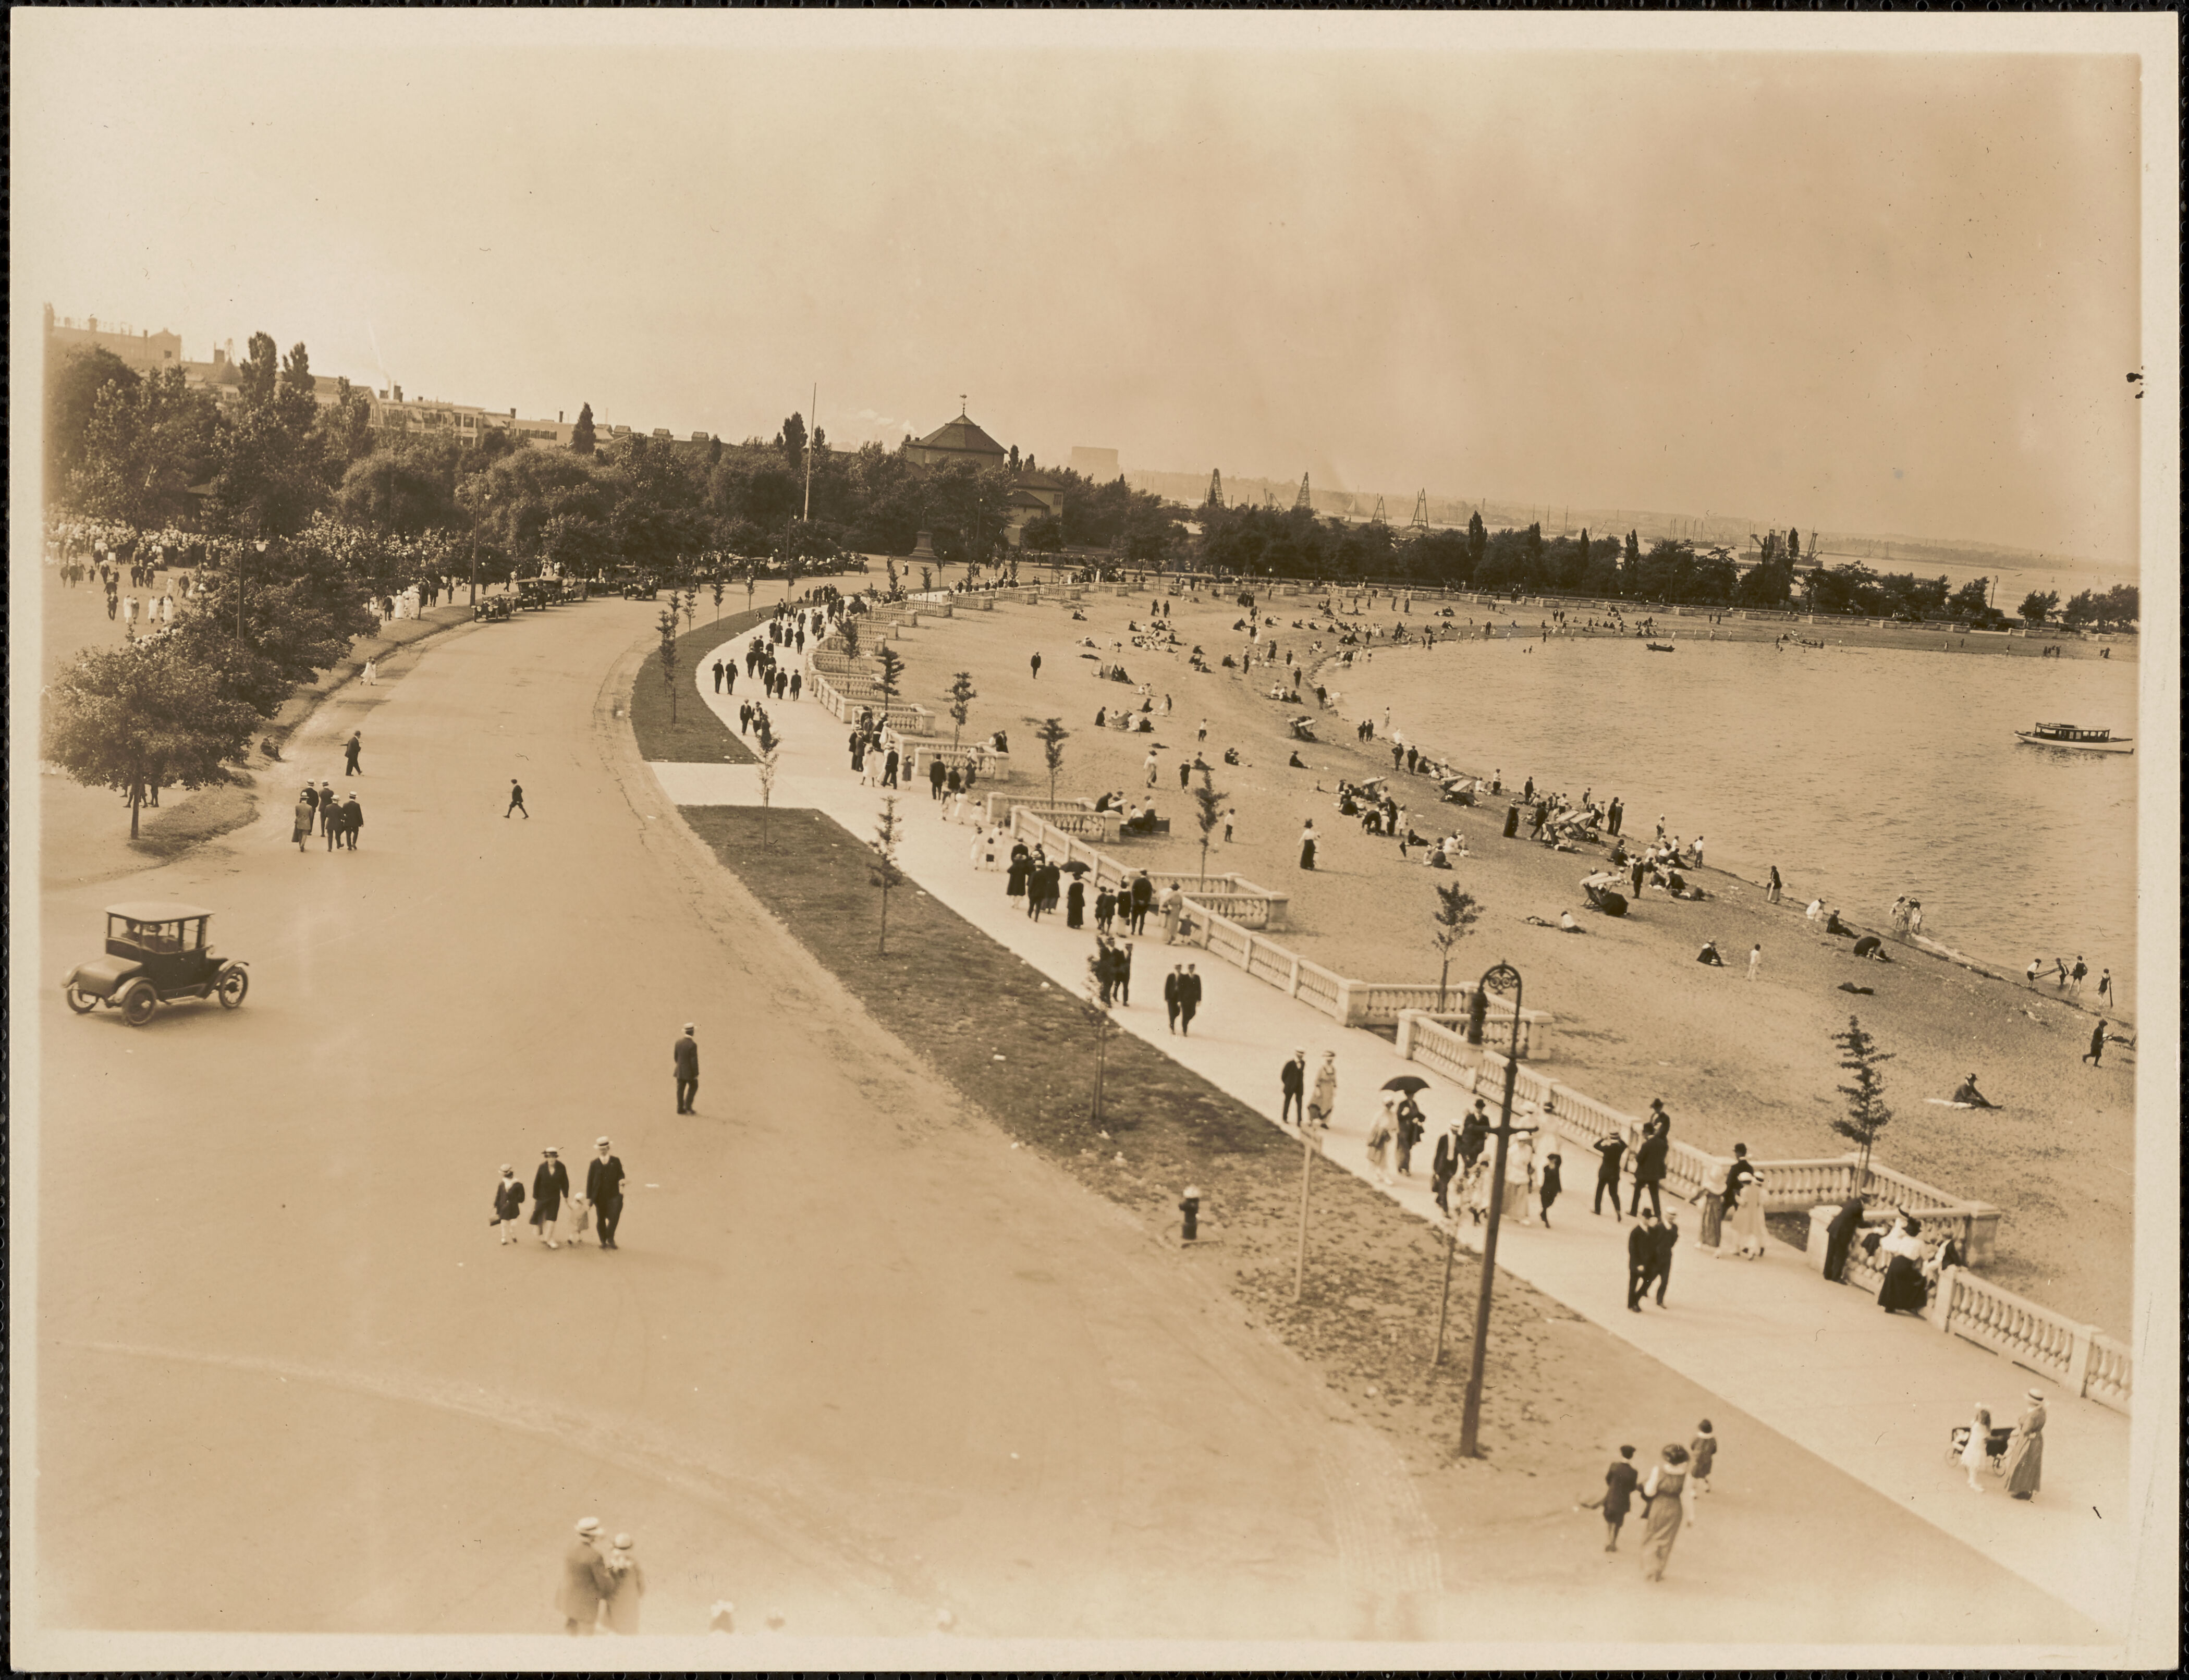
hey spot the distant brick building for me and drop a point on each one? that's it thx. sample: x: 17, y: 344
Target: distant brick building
x: 142, y: 352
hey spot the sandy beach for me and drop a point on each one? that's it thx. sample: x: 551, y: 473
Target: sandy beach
x: 1637, y: 1017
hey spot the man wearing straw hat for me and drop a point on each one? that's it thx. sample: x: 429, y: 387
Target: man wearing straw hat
x: 586, y: 1582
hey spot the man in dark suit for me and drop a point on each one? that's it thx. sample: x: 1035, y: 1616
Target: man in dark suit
x: 1444, y: 1167
x: 1839, y: 1237
x: 1189, y: 999
x: 1668, y: 1237
x: 1144, y: 895
x: 604, y: 1189
x: 1641, y: 1260
x: 1649, y: 1167
x: 1292, y: 1077
x: 888, y: 769
x: 1610, y: 1149
x: 1174, y: 993
x: 586, y: 1581
x: 688, y: 1069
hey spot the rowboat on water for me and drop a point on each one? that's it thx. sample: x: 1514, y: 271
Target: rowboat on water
x: 2069, y: 735
x: 1658, y: 646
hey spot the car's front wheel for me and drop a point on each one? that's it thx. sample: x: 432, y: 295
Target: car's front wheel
x: 233, y: 986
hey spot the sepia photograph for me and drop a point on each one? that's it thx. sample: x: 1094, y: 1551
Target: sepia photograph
x: 1393, y: 799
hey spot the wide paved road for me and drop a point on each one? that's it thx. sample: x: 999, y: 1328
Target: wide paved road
x: 856, y: 1359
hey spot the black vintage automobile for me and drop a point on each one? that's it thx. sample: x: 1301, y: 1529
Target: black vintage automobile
x: 156, y: 952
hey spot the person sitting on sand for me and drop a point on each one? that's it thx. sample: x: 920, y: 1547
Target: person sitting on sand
x: 1871, y: 947
x: 1567, y: 924
x: 1834, y: 926
x: 1969, y: 1096
x: 1708, y: 955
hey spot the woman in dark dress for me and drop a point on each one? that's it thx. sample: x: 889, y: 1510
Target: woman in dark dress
x: 1014, y: 883
x: 1075, y: 904
x: 1903, y: 1290
x: 1307, y: 846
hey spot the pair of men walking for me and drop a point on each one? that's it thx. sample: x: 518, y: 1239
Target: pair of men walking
x: 1650, y: 1257
x: 1182, y: 997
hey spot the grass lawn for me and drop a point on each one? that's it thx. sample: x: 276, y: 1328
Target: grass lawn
x: 697, y: 736
x: 167, y: 832
x: 1025, y: 1051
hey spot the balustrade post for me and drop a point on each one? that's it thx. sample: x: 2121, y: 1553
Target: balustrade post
x: 1940, y: 1310
x: 1407, y: 1018
x: 1291, y: 981
x: 1820, y: 1220
x: 2078, y: 1361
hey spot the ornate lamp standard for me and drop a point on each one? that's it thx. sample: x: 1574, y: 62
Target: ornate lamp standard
x: 1499, y: 979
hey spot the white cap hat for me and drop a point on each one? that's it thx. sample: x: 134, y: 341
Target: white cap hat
x: 588, y: 1525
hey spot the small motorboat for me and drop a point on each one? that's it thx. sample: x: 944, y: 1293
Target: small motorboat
x: 2071, y: 735
x: 1658, y: 646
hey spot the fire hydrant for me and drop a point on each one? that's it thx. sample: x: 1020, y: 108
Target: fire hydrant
x: 1191, y: 1206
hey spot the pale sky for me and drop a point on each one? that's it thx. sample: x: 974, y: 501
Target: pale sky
x: 1853, y: 292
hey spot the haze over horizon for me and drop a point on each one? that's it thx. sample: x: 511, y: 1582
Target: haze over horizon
x: 1869, y: 293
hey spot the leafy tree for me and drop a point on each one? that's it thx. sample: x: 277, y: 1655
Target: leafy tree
x: 714, y: 452
x: 74, y: 384
x: 301, y: 600
x: 883, y: 870
x: 141, y: 716
x: 399, y: 489
x: 144, y: 444
x: 1207, y: 811
x: 2123, y: 605
x: 716, y: 589
x: 792, y: 438
x: 962, y: 696
x: 2038, y: 605
x: 1968, y: 602
x: 272, y: 472
x: 892, y: 672
x: 1451, y: 921
x: 1867, y: 1114
x: 582, y: 440
x: 1052, y: 735
x: 850, y: 632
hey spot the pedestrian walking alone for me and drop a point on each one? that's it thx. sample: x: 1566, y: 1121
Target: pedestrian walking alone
x: 1754, y: 959
x: 1549, y: 1183
x: 604, y: 1190
x: 550, y: 1183
x: 1035, y: 663
x: 508, y: 1203
x: 686, y: 1057
x: 515, y: 800
x: 1665, y: 1502
x: 351, y: 748
x: 1649, y: 1167
x: 586, y: 1583
x: 2096, y: 1052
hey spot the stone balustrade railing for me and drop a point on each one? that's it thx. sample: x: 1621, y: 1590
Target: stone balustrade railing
x: 2080, y: 1358
x: 1691, y: 1173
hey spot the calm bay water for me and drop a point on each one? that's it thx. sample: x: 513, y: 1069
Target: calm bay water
x: 1861, y: 774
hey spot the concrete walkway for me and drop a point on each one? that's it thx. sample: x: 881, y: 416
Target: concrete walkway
x: 1872, y: 1394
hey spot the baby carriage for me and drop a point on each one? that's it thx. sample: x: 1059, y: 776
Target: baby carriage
x: 1995, y: 1440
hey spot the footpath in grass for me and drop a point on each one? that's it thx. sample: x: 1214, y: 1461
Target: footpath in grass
x: 1024, y: 1049
x: 697, y: 736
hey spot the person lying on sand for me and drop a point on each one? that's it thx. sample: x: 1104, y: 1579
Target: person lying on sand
x: 1871, y: 947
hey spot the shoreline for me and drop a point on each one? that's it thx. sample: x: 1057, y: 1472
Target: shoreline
x: 1636, y: 1016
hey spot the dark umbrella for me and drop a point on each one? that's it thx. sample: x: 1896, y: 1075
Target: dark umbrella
x: 1075, y: 868
x: 1408, y: 1082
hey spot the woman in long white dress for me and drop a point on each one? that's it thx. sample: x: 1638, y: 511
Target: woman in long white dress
x: 1974, y: 1455
x: 1748, y: 1218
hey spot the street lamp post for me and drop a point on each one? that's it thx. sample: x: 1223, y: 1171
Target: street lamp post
x: 1501, y: 979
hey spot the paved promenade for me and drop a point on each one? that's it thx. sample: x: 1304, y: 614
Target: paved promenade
x: 1873, y: 1394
